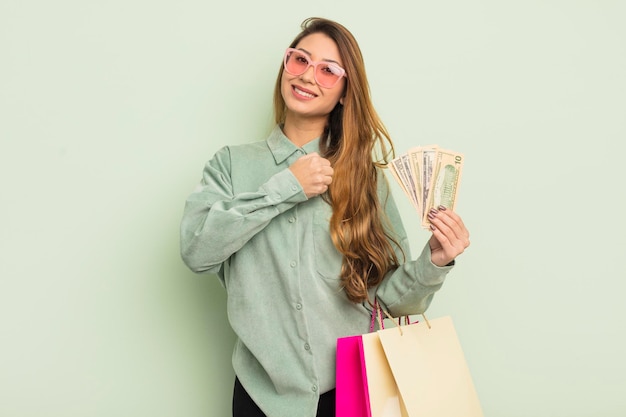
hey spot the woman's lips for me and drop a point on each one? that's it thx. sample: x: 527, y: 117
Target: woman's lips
x: 303, y: 93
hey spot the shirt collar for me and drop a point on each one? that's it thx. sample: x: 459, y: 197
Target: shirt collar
x: 282, y: 148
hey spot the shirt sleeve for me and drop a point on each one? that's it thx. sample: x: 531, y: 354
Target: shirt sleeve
x: 410, y: 288
x: 217, y: 222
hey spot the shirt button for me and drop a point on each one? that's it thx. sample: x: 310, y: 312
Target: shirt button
x: 307, y: 346
x: 293, y: 264
x: 298, y: 306
x: 292, y: 219
x: 294, y: 188
x: 314, y: 388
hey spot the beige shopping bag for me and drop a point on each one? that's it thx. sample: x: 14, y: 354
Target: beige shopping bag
x: 381, y: 389
x: 429, y: 370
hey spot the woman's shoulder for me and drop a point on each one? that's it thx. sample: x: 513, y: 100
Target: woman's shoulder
x: 241, y: 149
x: 252, y: 146
x: 242, y: 152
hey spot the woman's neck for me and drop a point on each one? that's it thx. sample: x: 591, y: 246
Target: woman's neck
x: 303, y: 131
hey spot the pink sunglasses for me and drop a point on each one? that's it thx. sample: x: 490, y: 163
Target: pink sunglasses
x: 327, y: 74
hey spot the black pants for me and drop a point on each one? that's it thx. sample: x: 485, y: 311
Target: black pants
x: 243, y: 406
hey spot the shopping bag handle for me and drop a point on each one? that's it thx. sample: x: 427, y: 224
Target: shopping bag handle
x: 377, y: 315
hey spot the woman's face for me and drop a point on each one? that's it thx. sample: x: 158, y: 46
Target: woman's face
x: 303, y: 96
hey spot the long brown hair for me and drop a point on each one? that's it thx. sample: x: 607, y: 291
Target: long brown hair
x: 354, y: 132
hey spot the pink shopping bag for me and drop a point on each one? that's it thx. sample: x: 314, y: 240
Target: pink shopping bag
x: 352, y: 399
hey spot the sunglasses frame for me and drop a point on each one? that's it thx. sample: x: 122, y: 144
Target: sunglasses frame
x: 313, y: 64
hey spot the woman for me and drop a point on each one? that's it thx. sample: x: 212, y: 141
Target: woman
x: 303, y: 232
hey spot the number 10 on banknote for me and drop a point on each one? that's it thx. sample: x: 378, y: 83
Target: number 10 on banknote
x: 430, y: 177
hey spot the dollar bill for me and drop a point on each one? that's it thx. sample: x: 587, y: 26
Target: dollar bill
x: 416, y: 156
x: 401, y: 171
x: 444, y: 182
x: 424, y: 162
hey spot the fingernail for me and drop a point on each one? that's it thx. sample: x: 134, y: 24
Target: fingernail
x: 442, y: 208
x: 431, y: 215
x: 432, y: 227
x: 433, y: 210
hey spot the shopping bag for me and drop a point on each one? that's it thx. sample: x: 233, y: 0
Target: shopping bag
x: 383, y: 395
x: 351, y: 397
x: 429, y: 369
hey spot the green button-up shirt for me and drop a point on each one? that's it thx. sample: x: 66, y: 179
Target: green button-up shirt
x: 250, y: 223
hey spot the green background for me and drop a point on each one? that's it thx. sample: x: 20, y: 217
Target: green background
x: 108, y: 111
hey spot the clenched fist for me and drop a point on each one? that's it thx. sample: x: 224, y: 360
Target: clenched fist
x: 314, y: 173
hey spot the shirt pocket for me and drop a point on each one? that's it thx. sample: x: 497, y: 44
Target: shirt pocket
x: 327, y: 258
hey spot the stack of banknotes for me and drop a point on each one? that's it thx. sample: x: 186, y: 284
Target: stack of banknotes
x: 430, y: 177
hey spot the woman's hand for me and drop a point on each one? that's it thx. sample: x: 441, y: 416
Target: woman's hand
x: 314, y: 174
x: 450, y: 237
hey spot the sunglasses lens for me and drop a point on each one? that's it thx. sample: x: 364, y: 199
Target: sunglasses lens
x: 327, y: 74
x: 296, y: 63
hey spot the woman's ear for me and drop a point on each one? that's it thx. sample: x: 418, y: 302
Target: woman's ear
x: 341, y: 101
